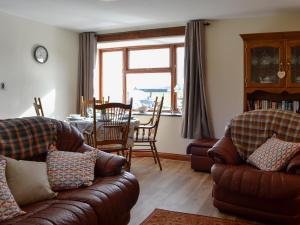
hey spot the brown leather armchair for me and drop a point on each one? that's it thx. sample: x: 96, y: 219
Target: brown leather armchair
x: 242, y: 189
x: 107, y: 202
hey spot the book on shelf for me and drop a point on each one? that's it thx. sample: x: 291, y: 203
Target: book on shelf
x: 268, y: 104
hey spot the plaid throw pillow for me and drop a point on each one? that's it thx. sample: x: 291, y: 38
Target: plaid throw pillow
x: 8, y: 206
x: 273, y: 155
x: 68, y: 170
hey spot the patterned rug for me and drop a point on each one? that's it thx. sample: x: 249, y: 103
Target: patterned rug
x: 165, y: 217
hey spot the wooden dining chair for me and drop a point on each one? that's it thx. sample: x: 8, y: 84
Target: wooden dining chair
x: 38, y: 106
x: 145, y: 134
x: 111, y: 127
x: 88, y: 103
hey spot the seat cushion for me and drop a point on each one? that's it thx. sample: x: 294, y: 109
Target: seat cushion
x: 109, y: 196
x: 199, y: 151
x: 201, y: 146
x: 111, y: 147
x: 54, y: 212
x: 249, y: 181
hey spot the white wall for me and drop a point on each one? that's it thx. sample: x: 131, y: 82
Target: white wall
x: 224, y: 48
x: 169, y: 134
x: 55, y: 81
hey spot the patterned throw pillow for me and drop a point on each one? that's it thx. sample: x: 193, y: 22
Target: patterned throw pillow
x: 8, y: 206
x: 68, y: 170
x: 274, y: 154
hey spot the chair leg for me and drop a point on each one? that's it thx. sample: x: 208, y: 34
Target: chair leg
x: 152, y: 150
x: 157, y: 156
x: 129, y: 159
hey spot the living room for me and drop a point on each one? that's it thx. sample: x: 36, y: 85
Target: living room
x: 58, y: 26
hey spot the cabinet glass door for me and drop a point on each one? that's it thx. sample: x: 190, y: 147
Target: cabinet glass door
x: 264, y: 61
x: 293, y: 63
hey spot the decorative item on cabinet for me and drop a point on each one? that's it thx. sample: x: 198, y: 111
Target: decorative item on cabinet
x: 272, y: 71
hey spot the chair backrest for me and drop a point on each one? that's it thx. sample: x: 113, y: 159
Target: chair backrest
x: 88, y: 103
x: 113, y: 123
x: 148, y: 130
x: 151, y: 121
x: 157, y: 114
x: 38, y: 106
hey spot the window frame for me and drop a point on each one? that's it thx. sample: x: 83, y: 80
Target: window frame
x: 172, y: 69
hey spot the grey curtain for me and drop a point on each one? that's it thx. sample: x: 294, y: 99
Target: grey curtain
x: 87, y: 61
x: 195, y: 118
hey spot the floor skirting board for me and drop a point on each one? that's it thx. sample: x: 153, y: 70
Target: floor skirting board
x: 163, y: 155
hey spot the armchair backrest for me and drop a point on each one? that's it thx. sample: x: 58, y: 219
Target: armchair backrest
x: 251, y: 129
x: 29, y: 138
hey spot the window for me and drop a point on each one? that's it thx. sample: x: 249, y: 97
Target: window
x: 143, y: 70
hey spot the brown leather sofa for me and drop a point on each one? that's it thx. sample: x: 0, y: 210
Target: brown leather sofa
x: 239, y: 188
x: 107, y: 202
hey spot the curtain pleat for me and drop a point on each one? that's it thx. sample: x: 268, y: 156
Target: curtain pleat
x: 87, y: 62
x: 195, y: 117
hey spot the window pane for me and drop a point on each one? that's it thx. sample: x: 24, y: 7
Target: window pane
x: 150, y: 58
x: 112, y: 75
x: 180, y: 76
x: 144, y: 88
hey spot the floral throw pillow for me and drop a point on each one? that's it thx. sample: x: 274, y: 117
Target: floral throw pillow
x: 69, y: 170
x: 8, y: 206
x: 274, y: 154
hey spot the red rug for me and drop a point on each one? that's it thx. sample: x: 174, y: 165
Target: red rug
x: 165, y: 217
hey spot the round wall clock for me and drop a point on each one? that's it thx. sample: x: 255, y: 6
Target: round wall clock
x: 40, y: 54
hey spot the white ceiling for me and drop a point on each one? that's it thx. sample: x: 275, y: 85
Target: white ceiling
x: 107, y: 16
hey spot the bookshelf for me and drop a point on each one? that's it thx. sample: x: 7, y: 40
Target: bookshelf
x: 272, y: 71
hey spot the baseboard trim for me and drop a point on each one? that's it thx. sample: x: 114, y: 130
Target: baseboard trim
x: 163, y: 155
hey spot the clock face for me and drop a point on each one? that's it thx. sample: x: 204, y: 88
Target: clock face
x: 41, y: 54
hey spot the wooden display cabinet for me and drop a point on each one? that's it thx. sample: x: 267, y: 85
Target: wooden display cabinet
x: 272, y: 71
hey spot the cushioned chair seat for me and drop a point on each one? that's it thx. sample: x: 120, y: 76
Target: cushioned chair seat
x: 249, y: 181
x: 110, y: 148
x: 53, y: 212
x: 145, y: 139
x: 108, y: 196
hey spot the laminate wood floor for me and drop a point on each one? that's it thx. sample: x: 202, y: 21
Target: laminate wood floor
x: 176, y: 188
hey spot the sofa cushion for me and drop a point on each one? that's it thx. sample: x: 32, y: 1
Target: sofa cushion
x: 274, y: 154
x: 249, y: 181
x: 27, y: 177
x: 67, y: 170
x: 54, y: 212
x: 8, y: 206
x: 109, y: 196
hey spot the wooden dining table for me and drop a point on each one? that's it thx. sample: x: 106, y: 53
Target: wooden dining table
x: 85, y: 124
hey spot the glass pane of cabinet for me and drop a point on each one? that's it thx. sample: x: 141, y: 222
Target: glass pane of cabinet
x: 295, y: 64
x: 264, y: 64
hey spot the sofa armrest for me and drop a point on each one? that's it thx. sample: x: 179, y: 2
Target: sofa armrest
x: 107, y: 164
x: 294, y: 165
x: 224, y: 151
